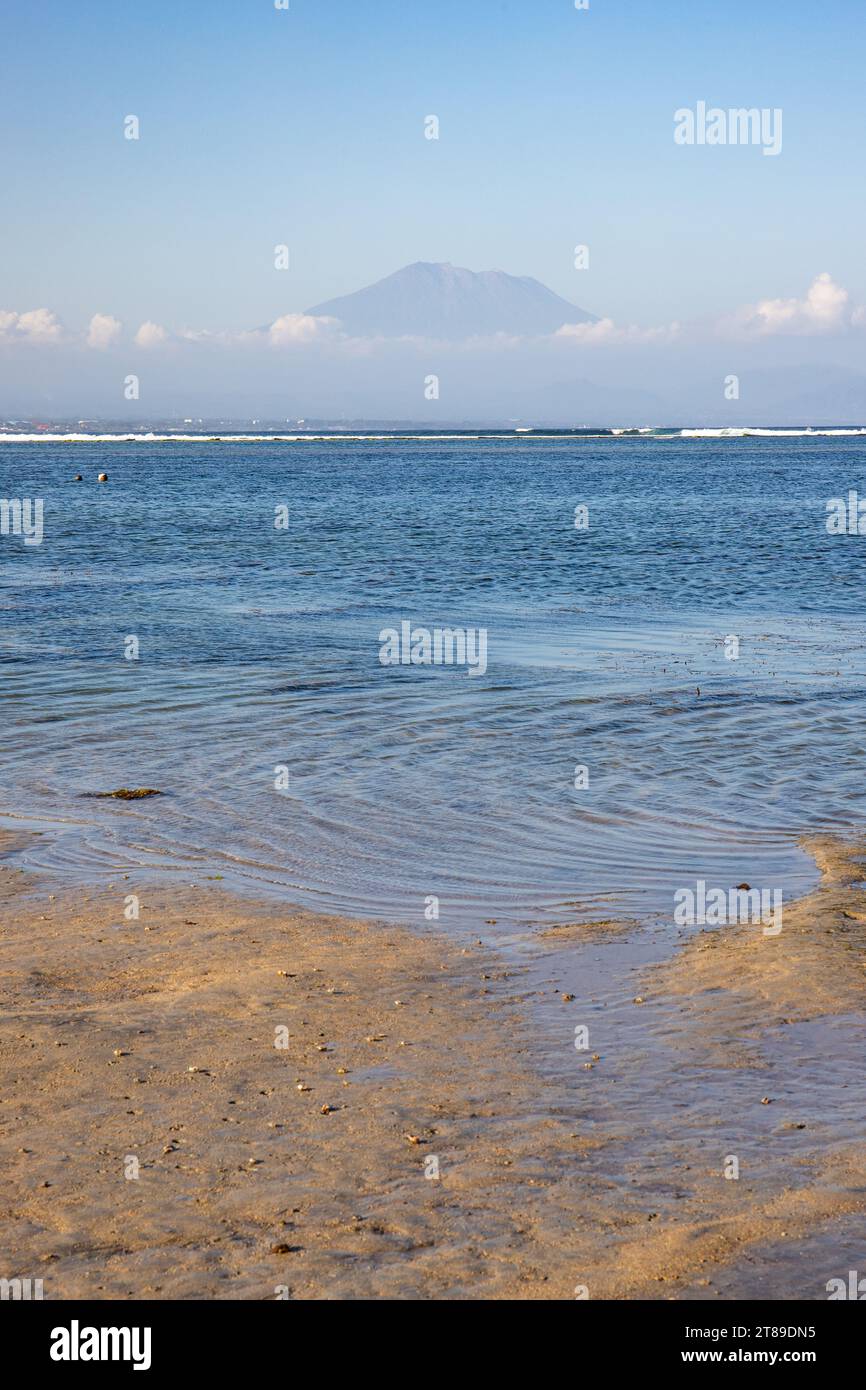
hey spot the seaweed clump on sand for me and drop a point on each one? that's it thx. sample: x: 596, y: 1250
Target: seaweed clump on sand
x: 127, y: 793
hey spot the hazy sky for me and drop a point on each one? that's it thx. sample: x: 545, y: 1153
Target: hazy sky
x: 306, y: 127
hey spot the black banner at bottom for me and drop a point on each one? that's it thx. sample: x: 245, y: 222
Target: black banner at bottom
x: 66, y: 1338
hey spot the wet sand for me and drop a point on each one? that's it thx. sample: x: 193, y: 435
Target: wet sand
x: 419, y: 1134
x: 815, y: 967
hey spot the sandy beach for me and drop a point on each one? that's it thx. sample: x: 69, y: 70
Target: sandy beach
x: 405, y: 1138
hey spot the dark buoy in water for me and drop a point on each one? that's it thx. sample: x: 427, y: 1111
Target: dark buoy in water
x: 78, y: 478
x: 103, y: 478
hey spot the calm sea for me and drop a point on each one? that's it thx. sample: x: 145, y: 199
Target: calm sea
x: 608, y: 649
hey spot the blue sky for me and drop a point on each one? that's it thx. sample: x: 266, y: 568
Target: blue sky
x: 261, y: 127
x: 306, y: 127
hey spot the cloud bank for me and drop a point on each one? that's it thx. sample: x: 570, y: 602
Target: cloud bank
x: 824, y: 309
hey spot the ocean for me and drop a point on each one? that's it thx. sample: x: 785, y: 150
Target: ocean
x: 675, y: 682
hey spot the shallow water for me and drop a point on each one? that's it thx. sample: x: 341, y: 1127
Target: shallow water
x: 259, y: 648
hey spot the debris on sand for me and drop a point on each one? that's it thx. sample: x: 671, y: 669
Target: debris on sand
x: 127, y: 793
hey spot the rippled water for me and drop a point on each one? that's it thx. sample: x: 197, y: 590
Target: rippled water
x: 606, y: 647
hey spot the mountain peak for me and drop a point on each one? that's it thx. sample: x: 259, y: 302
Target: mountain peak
x: 432, y: 299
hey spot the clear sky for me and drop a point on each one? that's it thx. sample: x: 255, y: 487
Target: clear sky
x: 306, y: 127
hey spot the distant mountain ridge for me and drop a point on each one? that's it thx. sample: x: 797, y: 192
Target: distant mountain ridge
x: 432, y: 300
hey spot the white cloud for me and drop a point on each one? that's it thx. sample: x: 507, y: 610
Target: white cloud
x: 150, y: 335
x: 824, y: 309
x: 35, y: 326
x: 826, y: 302
x: 103, y: 331
x: 606, y: 331
x: 299, y: 328
x: 40, y: 326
